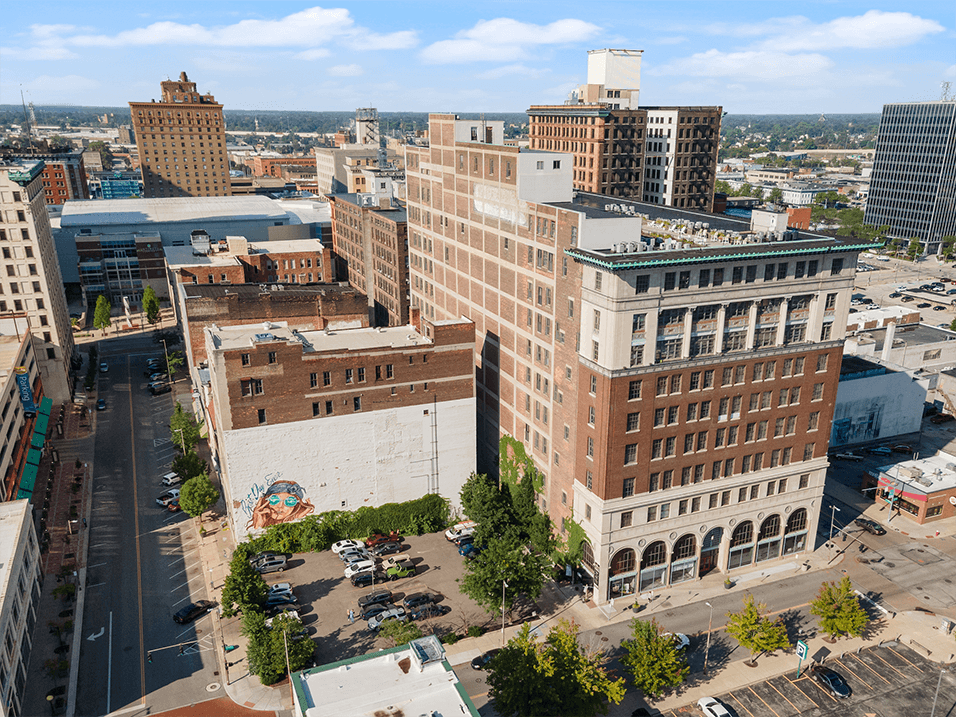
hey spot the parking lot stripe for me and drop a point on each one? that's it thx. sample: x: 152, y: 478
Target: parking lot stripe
x: 741, y: 704
x: 823, y: 691
x: 794, y: 683
x: 903, y: 658
x: 762, y: 700
x: 850, y: 670
x: 887, y: 664
x: 853, y: 655
x: 796, y: 709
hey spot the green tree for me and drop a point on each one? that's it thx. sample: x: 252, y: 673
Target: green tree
x: 244, y: 590
x: 106, y: 155
x: 655, y: 661
x: 484, y: 501
x: 189, y: 465
x: 952, y: 326
x: 723, y: 188
x: 839, y: 610
x: 398, y: 633
x: 266, y: 651
x: 500, y: 561
x: 558, y: 677
x: 101, y: 315
x: 198, y: 495
x: 150, y: 305
x: 949, y: 242
x: 184, y: 429
x: 776, y: 195
x: 174, y: 362
x: 756, y: 632
x: 746, y: 190
x: 914, y: 249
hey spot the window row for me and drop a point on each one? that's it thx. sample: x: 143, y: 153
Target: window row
x: 705, y: 278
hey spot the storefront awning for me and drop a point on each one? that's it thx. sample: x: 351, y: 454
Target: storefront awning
x: 46, y: 405
x: 28, y: 481
x: 34, y: 456
x: 38, y: 440
x: 901, y: 489
x: 41, y: 425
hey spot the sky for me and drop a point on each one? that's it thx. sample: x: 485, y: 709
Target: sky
x: 748, y: 57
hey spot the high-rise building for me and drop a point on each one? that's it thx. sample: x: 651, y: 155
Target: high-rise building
x: 913, y: 185
x: 31, y: 282
x: 661, y: 155
x: 676, y: 396
x: 182, y: 143
x: 64, y: 174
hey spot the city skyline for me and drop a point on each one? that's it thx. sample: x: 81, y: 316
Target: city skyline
x: 498, y: 57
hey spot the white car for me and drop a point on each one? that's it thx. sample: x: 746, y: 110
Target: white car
x: 167, y: 497
x: 280, y: 589
x: 361, y: 566
x: 459, y: 529
x: 682, y: 640
x: 288, y: 613
x: 345, y: 545
x: 396, y: 613
x: 712, y: 708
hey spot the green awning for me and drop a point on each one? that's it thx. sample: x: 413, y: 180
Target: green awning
x: 38, y: 440
x: 29, y: 479
x: 34, y: 456
x: 41, y: 425
x: 46, y: 405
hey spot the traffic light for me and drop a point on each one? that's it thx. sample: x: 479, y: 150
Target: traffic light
x: 149, y: 657
x: 182, y: 650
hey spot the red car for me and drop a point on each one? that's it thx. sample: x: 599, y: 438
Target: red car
x: 173, y: 506
x: 378, y: 538
x: 942, y: 418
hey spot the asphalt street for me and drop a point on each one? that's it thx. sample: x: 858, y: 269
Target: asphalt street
x: 143, y: 560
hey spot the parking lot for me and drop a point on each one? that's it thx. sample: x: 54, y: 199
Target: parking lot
x: 886, y: 681
x: 326, y: 596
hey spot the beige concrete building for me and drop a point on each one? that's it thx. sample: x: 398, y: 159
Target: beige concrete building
x: 31, y: 283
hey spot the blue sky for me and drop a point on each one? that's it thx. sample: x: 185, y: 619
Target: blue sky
x: 749, y: 57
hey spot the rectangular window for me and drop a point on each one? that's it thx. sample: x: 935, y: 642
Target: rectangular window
x: 262, y: 416
x: 630, y: 453
x: 628, y: 489
x: 808, y: 451
x: 702, y: 441
x: 670, y: 280
x: 642, y: 284
x: 709, y: 378
x: 814, y: 421
x: 691, y: 411
x: 804, y: 481
x: 675, y: 383
x: 245, y: 359
x: 315, y: 410
x: 328, y: 408
x: 703, y: 279
x: 662, y: 385
x: 357, y: 403
x: 633, y: 422
x: 732, y: 436
x: 762, y: 430
x: 652, y: 514
x: 782, y: 271
x: 313, y: 380
x: 720, y: 437
x: 326, y: 378
x: 665, y: 511
x: 712, y: 500
x: 634, y: 391
x: 672, y: 416
x: 695, y: 504
x: 836, y: 267
x: 626, y: 518
x: 590, y: 453
x: 782, y: 485
x: 657, y: 448
x: 272, y: 357
x: 822, y: 362
x: 670, y: 446
x: 689, y: 443
x: 348, y: 375
x: 704, y: 409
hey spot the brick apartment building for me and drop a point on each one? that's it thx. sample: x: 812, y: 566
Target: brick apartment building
x: 676, y: 397
x: 64, y: 174
x: 273, y: 166
x: 181, y: 142
x: 660, y: 155
x: 281, y: 401
x: 370, y: 239
x: 17, y: 358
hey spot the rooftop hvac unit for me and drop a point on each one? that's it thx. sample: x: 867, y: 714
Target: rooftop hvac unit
x: 951, y: 467
x: 912, y: 472
x: 264, y: 337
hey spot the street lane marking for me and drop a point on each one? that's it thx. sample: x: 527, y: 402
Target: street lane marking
x: 139, y: 561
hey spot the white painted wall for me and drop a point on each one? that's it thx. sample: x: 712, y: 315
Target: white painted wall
x: 346, y: 462
x: 877, y: 407
x: 540, y: 181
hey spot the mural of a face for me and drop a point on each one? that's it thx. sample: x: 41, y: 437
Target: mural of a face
x: 283, y: 502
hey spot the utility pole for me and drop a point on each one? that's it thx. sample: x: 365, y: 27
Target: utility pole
x: 834, y: 510
x: 710, y: 624
x: 288, y: 667
x: 936, y: 696
x: 504, y: 584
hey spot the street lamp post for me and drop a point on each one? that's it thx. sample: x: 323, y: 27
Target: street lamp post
x: 710, y: 624
x: 182, y: 438
x: 504, y: 584
x: 833, y: 511
x: 936, y: 697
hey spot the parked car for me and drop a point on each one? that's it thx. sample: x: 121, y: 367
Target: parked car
x: 402, y: 570
x: 166, y: 497
x: 902, y: 448
x: 173, y: 506
x: 895, y: 295
x: 370, y: 611
x: 346, y: 545
x: 848, y: 457
x: 171, y: 478
x: 159, y: 388
x: 923, y: 305
x: 158, y: 376
x: 939, y: 308
x: 101, y: 404
x: 353, y: 556
x: 481, y: 662
x: 416, y: 600
x: 396, y: 613
x: 680, y: 639
x: 379, y: 538
x: 363, y: 580
x: 879, y: 451
x: 279, y: 589
x: 831, y: 681
x: 271, y: 565
x: 287, y: 610
x: 459, y: 529
x: 870, y: 526
x: 427, y: 611
x: 281, y: 599
x: 942, y: 418
x: 463, y: 540
x: 193, y: 610
x: 907, y: 298
x: 360, y: 567
x: 470, y: 550
x: 376, y: 597
x: 104, y: 367
x: 264, y: 555
x: 383, y: 549
x: 712, y: 708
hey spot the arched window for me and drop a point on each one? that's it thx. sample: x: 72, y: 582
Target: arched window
x: 623, y: 562
x: 622, y: 575
x: 768, y: 541
x: 684, y: 559
x: 653, y: 566
x: 797, y: 521
x: 587, y: 554
x: 795, y: 537
x: 741, y: 546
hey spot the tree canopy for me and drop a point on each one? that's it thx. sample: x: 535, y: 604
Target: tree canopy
x: 198, y: 495
x: 184, y: 429
x: 502, y: 561
x: 150, y: 305
x: 656, y: 662
x: 101, y: 314
x: 266, y: 651
x: 189, y: 465
x: 839, y: 609
x: 756, y: 632
x: 556, y: 677
x: 244, y: 589
x: 397, y: 633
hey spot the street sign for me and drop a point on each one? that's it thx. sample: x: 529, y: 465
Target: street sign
x: 802, y: 649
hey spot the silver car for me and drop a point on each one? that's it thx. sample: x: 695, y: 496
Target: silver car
x: 396, y: 613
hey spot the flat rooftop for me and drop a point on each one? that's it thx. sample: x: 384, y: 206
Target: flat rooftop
x: 396, y: 213
x: 9, y: 351
x: 11, y: 523
x: 852, y: 367
x: 285, y: 246
x: 177, y: 256
x: 306, y: 211
x: 254, y: 291
x: 388, y: 682
x: 391, y: 337
x: 920, y: 477
x: 913, y: 335
x: 106, y: 212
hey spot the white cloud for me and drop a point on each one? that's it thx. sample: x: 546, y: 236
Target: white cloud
x: 675, y: 40
x: 751, y: 64
x: 313, y: 54
x: 308, y: 28
x: 345, y: 71
x: 950, y: 71
x: 64, y: 84
x: 504, y: 39
x: 506, y: 70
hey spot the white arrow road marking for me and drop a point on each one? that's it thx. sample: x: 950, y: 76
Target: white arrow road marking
x: 94, y: 635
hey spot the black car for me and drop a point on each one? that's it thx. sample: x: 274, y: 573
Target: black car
x: 373, y: 610
x: 830, y: 681
x: 363, y: 580
x: 193, y: 610
x: 895, y: 295
x: 416, y: 600
x: 923, y: 305
x: 480, y: 662
x: 942, y: 418
x: 939, y: 308
x: 157, y: 389
x: 376, y: 597
x: 281, y: 599
x: 386, y: 549
x: 870, y: 526
x: 428, y: 611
